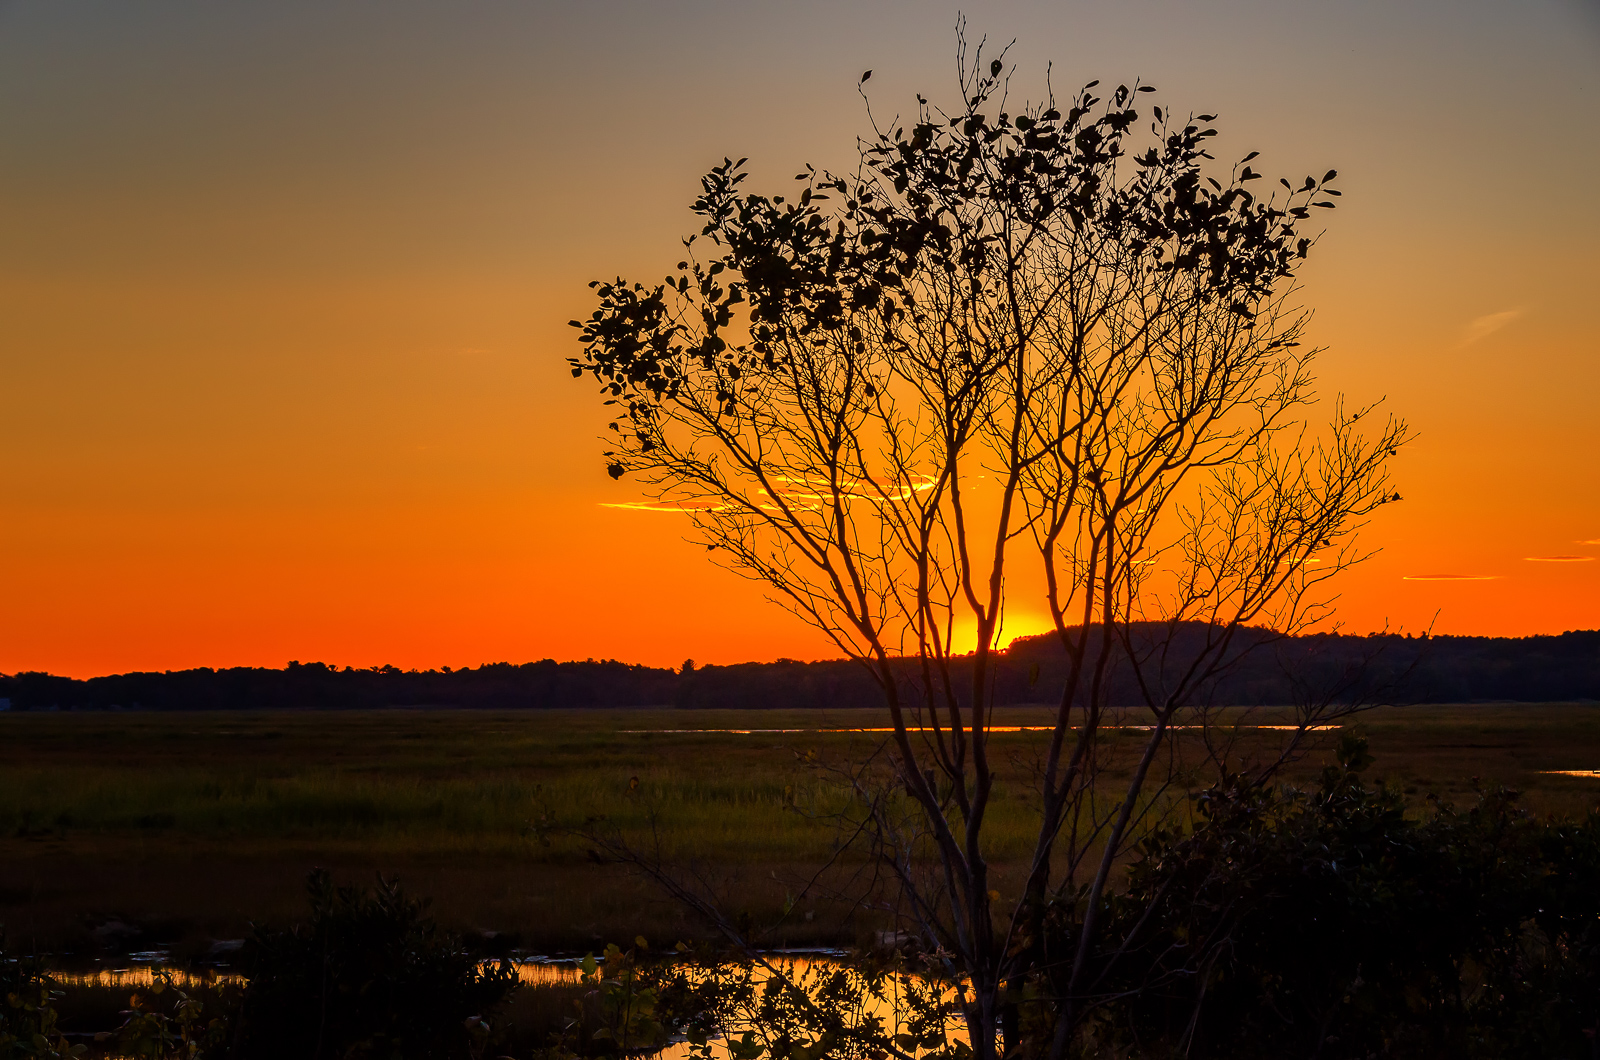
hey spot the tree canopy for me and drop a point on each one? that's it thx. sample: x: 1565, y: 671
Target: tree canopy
x: 1047, y: 352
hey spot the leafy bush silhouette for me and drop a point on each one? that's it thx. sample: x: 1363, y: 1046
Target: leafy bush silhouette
x: 1331, y: 923
x: 27, y: 1011
x: 369, y: 976
x: 192, y: 1028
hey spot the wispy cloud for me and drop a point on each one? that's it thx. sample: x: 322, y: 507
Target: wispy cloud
x: 1450, y: 577
x: 1558, y: 559
x: 1484, y: 326
x: 645, y: 506
x: 1596, y: 541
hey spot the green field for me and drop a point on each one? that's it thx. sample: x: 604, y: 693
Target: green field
x: 143, y: 830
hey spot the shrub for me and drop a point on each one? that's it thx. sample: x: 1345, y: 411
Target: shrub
x: 369, y: 976
x: 27, y: 1011
x: 1329, y: 923
x: 190, y: 1031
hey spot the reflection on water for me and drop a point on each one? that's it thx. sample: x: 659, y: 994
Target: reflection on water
x: 886, y: 1009
x: 534, y: 971
x: 544, y: 971
x: 917, y: 728
x: 539, y: 972
x: 143, y: 978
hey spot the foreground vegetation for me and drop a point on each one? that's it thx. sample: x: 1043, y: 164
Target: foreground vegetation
x: 1324, y: 921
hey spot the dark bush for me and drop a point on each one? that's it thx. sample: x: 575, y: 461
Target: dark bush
x: 369, y: 976
x: 28, y: 1011
x: 1329, y: 924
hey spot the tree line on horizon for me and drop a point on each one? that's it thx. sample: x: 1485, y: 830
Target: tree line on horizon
x: 1390, y: 667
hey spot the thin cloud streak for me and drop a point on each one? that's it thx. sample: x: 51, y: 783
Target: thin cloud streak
x: 1484, y: 326
x: 1558, y: 559
x: 1450, y: 577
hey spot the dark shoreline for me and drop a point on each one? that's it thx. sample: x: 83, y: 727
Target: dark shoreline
x: 1271, y: 670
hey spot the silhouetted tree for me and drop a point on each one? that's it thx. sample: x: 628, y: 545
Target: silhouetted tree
x: 1043, y: 334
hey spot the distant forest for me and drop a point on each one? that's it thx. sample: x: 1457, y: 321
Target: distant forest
x: 1273, y: 671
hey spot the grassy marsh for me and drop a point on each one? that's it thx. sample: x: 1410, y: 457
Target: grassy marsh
x: 176, y: 829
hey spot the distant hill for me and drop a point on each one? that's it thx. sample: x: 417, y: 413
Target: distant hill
x: 1274, y: 671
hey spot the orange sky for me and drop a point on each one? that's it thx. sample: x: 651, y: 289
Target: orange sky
x: 283, y: 293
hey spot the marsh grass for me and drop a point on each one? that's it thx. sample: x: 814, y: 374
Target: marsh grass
x: 425, y: 782
x: 185, y: 827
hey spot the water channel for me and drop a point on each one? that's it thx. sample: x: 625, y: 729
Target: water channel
x: 536, y: 971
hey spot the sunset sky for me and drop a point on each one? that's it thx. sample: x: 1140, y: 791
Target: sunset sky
x: 284, y: 291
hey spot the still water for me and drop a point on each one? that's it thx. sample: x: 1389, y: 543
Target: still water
x: 532, y: 971
x: 535, y: 971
